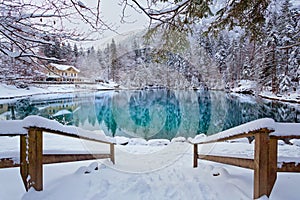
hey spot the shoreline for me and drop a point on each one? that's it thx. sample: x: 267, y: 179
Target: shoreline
x: 12, y: 92
x: 274, y: 98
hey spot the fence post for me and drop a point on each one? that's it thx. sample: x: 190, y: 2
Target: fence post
x: 35, y: 159
x: 195, y: 155
x: 264, y: 164
x: 24, y: 160
x: 272, y: 164
x: 112, y: 153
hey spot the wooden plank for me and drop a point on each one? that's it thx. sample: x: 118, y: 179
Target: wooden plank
x: 8, y: 163
x: 112, y: 153
x: 285, y: 137
x: 59, y: 158
x: 195, y: 160
x: 261, y: 165
x: 289, y: 167
x: 35, y: 159
x: 272, y: 164
x: 24, y: 160
x: 39, y: 160
x: 12, y: 135
x: 239, y: 162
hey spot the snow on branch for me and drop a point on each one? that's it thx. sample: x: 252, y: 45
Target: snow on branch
x: 27, y: 25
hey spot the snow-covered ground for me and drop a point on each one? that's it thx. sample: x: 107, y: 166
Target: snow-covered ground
x: 145, y: 171
x: 250, y: 87
x: 288, y: 97
x: 11, y: 91
x: 156, y: 169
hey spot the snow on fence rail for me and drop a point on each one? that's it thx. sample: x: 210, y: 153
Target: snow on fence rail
x: 266, y: 133
x: 32, y: 158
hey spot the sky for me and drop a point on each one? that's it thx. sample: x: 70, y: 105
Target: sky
x: 111, y: 12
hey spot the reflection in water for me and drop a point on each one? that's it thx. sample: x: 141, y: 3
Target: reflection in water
x: 153, y: 113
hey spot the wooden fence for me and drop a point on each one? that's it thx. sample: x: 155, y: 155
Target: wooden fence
x: 32, y: 157
x: 264, y: 163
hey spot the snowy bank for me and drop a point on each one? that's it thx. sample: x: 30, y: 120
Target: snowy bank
x: 289, y: 97
x: 11, y: 91
x: 245, y: 87
x: 155, y: 169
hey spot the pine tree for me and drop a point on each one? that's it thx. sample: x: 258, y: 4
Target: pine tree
x: 286, y: 40
x: 113, y: 51
x: 53, y: 51
x: 75, y: 51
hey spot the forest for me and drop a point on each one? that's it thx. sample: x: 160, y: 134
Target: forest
x: 268, y: 59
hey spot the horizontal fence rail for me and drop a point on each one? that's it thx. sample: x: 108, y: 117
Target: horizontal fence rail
x: 32, y: 157
x: 264, y: 164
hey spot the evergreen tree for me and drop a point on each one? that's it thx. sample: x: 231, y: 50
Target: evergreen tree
x: 53, y: 51
x: 113, y: 51
x: 75, y: 51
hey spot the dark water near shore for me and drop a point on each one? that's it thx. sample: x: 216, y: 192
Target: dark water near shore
x: 151, y: 113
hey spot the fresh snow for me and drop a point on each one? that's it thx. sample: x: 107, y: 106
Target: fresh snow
x: 13, y: 127
x: 11, y: 91
x: 283, y: 129
x: 288, y: 97
x: 155, y: 169
x: 278, y: 129
x: 146, y: 172
x: 244, y: 128
x: 245, y: 86
x: 250, y: 87
x: 64, y: 67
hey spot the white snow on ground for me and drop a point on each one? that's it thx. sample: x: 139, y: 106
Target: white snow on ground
x: 10, y: 91
x: 289, y: 97
x: 245, y: 86
x: 158, y: 169
x: 144, y: 171
x: 155, y: 169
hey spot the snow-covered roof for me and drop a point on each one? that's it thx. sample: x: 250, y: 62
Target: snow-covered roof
x: 53, y: 76
x: 64, y: 67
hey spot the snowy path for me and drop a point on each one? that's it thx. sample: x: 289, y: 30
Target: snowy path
x: 174, y: 178
x: 146, y: 172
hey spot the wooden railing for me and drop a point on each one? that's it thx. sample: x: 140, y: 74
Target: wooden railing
x: 32, y: 157
x: 265, y: 159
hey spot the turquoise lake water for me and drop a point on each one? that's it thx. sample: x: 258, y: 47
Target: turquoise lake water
x: 151, y: 114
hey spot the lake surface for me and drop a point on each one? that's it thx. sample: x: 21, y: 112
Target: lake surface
x: 151, y: 114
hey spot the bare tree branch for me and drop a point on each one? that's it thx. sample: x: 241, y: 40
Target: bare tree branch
x: 27, y: 25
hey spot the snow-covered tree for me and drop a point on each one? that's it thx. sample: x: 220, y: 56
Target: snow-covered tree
x: 27, y: 25
x: 183, y: 14
x: 113, y: 52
